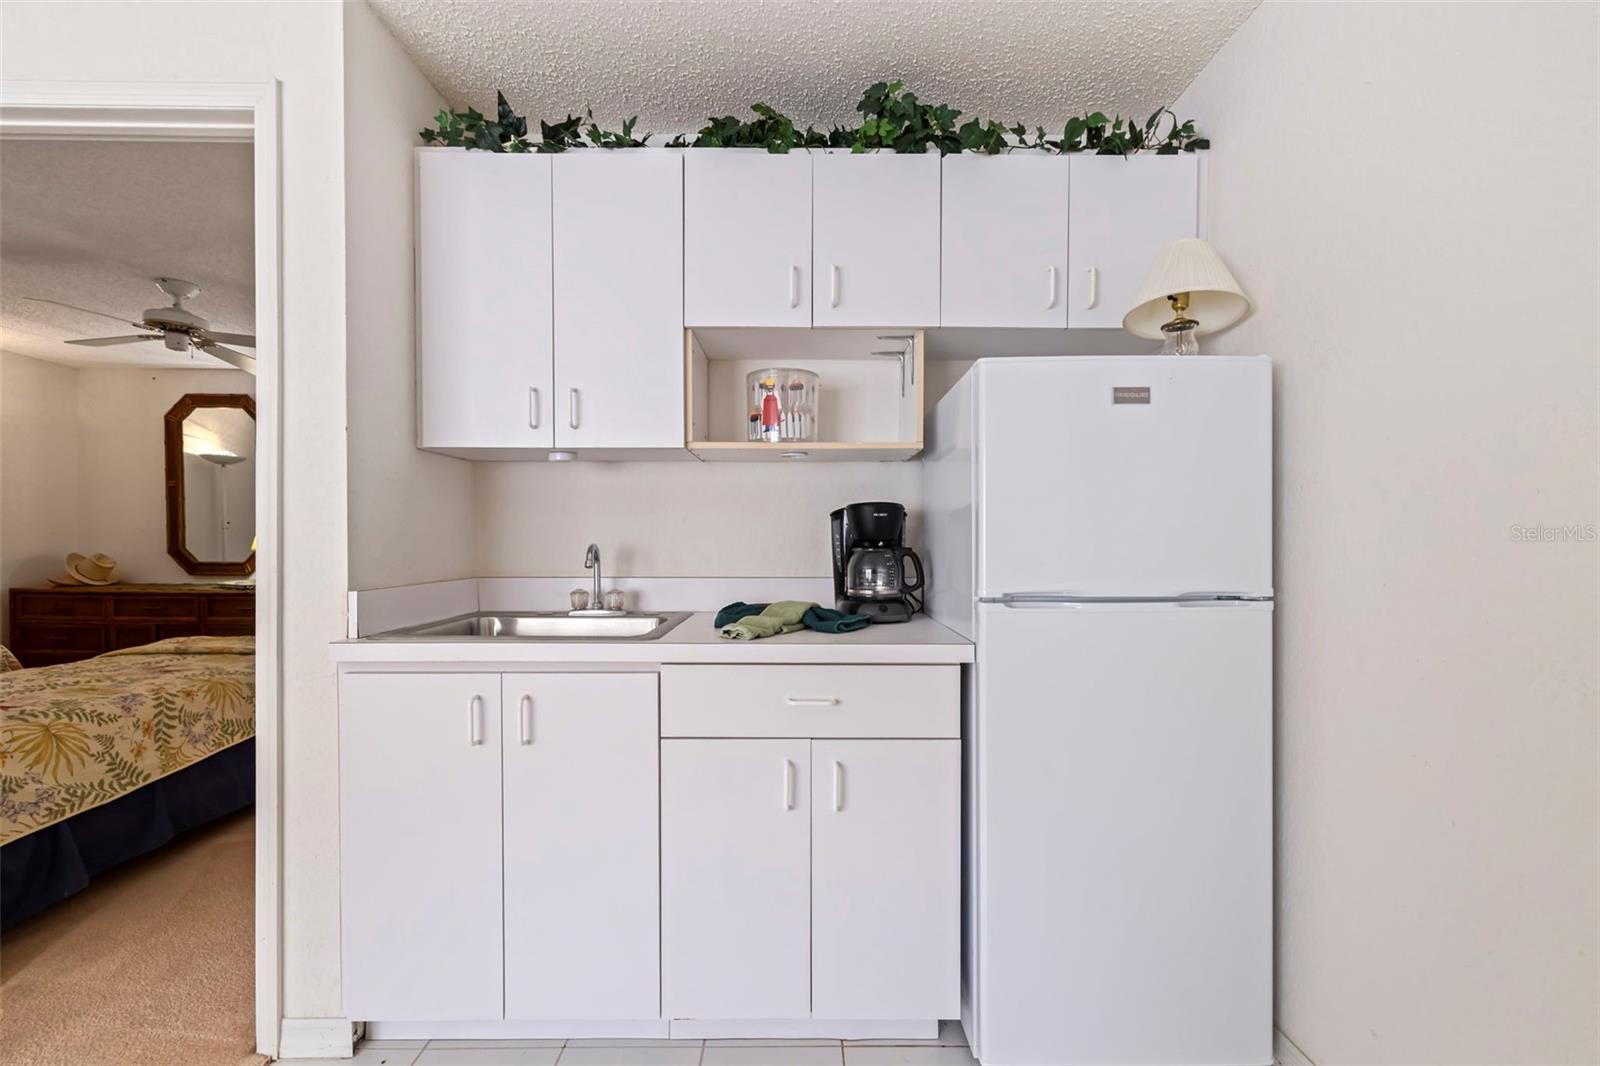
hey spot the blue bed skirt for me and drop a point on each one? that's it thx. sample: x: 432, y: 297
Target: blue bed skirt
x: 45, y: 867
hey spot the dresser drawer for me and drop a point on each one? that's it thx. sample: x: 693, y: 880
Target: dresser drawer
x: 810, y: 701
x: 60, y: 605
x: 131, y: 636
x: 156, y: 607
x: 232, y: 608
x: 37, y: 637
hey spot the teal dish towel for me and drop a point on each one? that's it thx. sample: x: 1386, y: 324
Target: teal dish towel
x: 820, y: 619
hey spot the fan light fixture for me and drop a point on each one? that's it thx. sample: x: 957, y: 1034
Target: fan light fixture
x: 177, y: 327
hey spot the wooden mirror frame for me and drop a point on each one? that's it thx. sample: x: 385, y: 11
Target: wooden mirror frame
x: 176, y: 546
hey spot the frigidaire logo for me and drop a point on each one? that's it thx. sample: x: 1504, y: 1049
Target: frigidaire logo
x: 1130, y: 394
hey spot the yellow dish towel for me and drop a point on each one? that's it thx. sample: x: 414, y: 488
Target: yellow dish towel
x: 782, y: 617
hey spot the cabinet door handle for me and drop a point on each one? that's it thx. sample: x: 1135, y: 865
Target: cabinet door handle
x: 788, y: 785
x: 812, y: 701
x: 1051, y: 301
x: 572, y: 408
x: 525, y: 720
x: 833, y: 286
x: 838, y: 785
x: 475, y: 721
x: 1094, y: 286
x: 533, y: 407
x: 794, y: 286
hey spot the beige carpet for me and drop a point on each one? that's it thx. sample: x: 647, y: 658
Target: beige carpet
x: 152, y: 963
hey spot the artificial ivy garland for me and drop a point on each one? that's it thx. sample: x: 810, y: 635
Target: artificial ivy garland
x: 892, y: 119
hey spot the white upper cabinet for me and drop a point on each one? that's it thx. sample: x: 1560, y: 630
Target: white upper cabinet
x: 618, y: 255
x: 1004, y: 236
x: 875, y: 239
x: 1123, y: 211
x: 582, y: 915
x: 747, y: 238
x: 419, y: 787
x: 483, y: 300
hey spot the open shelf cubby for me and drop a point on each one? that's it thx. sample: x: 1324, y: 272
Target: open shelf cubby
x: 869, y: 405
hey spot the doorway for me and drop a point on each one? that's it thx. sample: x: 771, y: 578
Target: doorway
x: 197, y: 113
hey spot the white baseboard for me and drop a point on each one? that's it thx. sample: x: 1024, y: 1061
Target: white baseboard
x: 804, y: 1028
x: 511, y: 1029
x: 696, y: 1029
x: 316, y: 1038
x: 1285, y: 1053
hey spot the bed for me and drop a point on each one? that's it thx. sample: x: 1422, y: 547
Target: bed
x: 109, y: 758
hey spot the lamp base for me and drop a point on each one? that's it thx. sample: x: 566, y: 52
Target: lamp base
x: 1180, y: 338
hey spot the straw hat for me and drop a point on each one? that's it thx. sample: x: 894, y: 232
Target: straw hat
x: 96, y: 569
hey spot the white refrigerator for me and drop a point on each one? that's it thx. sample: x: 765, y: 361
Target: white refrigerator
x: 1102, y: 529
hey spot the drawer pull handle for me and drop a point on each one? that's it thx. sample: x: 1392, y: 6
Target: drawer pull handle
x: 475, y: 721
x: 525, y: 720
x: 812, y: 701
x: 788, y: 785
x: 838, y: 785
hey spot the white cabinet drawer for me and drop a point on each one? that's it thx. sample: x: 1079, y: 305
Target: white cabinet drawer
x: 810, y: 701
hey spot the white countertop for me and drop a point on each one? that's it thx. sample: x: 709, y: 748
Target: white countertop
x: 694, y: 640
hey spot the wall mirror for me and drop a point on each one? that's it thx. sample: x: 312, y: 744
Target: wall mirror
x: 211, y: 484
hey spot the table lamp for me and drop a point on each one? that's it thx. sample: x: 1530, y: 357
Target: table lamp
x: 1188, y: 292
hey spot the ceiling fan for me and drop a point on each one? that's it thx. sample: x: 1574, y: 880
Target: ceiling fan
x: 179, y: 328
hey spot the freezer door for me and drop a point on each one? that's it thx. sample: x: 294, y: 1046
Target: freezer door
x: 1124, y: 834
x: 1127, y: 476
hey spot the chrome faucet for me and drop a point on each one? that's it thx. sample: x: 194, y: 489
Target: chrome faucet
x: 591, y: 561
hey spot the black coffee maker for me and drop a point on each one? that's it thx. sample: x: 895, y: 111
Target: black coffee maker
x: 869, y: 563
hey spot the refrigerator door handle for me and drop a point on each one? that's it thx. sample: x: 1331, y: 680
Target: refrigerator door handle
x: 1067, y: 599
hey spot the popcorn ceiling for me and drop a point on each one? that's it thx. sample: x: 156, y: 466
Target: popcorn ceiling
x: 675, y: 63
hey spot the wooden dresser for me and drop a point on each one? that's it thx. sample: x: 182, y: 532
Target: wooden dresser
x: 64, y: 623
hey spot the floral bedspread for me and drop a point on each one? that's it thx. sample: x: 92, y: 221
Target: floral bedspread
x: 81, y: 734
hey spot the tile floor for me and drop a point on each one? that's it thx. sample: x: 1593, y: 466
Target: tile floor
x: 950, y: 1049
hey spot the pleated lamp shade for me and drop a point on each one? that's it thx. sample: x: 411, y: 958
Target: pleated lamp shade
x: 1188, y: 265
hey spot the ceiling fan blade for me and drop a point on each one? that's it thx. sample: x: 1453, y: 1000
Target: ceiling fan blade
x: 245, y: 339
x: 228, y: 355
x: 85, y: 310
x: 104, y: 342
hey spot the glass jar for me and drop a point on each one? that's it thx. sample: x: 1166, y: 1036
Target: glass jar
x: 782, y: 405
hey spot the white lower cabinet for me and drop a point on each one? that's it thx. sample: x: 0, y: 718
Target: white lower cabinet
x: 454, y: 784
x: 885, y: 884
x: 419, y: 786
x: 528, y: 847
x: 581, y: 908
x: 810, y: 879
x: 735, y: 878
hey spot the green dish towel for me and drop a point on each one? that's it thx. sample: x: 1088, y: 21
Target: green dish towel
x: 753, y: 621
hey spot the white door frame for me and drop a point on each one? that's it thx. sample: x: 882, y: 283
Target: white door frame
x: 238, y: 111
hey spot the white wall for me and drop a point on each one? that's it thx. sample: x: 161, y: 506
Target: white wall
x: 301, y: 46
x: 83, y: 467
x: 410, y: 511
x: 682, y: 519
x: 38, y: 471
x: 1409, y: 194
x: 120, y: 426
x: 672, y: 519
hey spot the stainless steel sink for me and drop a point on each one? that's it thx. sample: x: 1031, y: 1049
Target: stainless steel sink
x: 542, y: 625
